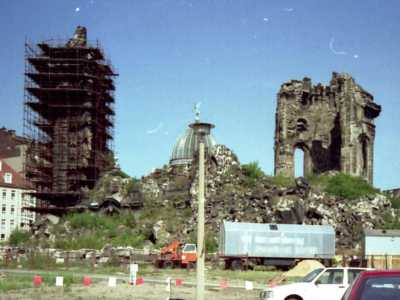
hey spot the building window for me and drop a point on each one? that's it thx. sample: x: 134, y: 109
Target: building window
x: 3, y: 221
x: 8, y: 178
x: 3, y: 209
x: 4, y: 194
x: 12, y: 195
x: 2, y: 236
x: 12, y: 209
x: 12, y: 222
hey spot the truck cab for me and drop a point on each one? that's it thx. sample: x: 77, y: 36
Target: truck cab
x: 189, y: 255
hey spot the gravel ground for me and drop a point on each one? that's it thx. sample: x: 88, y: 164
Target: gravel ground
x: 146, y: 291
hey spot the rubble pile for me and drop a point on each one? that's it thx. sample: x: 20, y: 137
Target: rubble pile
x: 168, y: 203
x: 229, y: 196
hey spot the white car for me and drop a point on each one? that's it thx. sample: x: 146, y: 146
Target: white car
x: 322, y: 283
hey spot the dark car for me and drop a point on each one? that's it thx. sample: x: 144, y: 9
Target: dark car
x: 375, y: 285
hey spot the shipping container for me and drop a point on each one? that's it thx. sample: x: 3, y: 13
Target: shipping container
x: 381, y: 242
x: 274, y: 244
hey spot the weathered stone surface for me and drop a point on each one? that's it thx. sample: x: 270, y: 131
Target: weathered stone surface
x: 333, y: 125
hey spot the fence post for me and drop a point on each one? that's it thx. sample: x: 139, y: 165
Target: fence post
x: 386, y: 261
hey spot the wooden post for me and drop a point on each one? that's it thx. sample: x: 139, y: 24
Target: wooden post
x: 200, y: 228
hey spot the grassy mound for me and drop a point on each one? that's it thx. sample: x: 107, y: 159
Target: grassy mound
x: 343, y: 186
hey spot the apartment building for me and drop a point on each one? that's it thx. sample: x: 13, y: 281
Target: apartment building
x: 15, y: 195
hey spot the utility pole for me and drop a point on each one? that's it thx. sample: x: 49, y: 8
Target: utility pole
x: 200, y: 228
x: 201, y: 130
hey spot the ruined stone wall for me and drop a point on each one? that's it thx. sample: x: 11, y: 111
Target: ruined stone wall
x: 333, y: 125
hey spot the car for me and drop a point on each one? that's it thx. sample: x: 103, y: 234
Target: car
x: 375, y: 285
x: 321, y: 283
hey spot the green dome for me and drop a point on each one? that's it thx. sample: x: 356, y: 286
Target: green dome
x: 187, y: 145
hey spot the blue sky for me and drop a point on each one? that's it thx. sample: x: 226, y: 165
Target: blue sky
x: 232, y: 56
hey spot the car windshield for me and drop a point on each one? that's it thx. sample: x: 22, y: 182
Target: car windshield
x: 382, y: 288
x: 310, y: 276
x: 189, y: 247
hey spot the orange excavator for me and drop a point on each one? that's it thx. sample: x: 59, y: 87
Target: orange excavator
x: 177, y: 255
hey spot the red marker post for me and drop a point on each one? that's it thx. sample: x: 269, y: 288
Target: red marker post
x: 86, y: 281
x: 223, y: 284
x: 139, y: 280
x: 178, y: 282
x: 37, y: 280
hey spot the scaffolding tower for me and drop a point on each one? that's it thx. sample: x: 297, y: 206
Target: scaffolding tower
x: 68, y: 117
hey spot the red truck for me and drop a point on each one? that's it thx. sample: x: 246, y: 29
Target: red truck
x: 177, y: 255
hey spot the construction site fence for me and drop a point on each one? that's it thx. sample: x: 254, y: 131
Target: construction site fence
x: 381, y: 262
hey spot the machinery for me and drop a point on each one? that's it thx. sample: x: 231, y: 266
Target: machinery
x: 177, y: 255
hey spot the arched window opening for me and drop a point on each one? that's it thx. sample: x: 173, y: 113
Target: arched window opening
x: 299, y: 162
x: 364, y: 148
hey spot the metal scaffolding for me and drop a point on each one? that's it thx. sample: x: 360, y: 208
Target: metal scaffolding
x: 68, y: 116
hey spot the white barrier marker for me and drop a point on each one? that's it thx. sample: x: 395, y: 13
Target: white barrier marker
x: 168, y: 288
x: 112, y: 281
x: 248, y: 285
x: 133, y: 269
x: 59, y: 281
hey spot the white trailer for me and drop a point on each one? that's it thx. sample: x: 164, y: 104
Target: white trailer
x: 245, y: 244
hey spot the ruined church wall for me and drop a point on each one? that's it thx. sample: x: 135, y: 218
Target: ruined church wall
x: 333, y: 125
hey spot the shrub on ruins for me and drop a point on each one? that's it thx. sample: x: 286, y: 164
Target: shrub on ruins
x: 94, y: 230
x: 253, y: 173
x: 343, y: 185
x: 18, y: 237
x: 253, y: 170
x: 90, y: 220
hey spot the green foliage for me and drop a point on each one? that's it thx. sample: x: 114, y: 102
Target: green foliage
x: 98, y: 221
x: 349, y: 187
x: 253, y: 170
x: 253, y: 173
x: 11, y: 283
x: 90, y: 230
x: 24, y: 281
x: 280, y: 181
x: 119, y: 173
x: 87, y: 221
x: 342, y: 185
x: 395, y: 202
x: 18, y: 237
x: 36, y: 260
x: 391, y: 222
x: 211, y: 244
x: 89, y: 240
x: 318, y: 180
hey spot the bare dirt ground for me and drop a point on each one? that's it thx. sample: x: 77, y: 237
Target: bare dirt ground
x: 146, y: 291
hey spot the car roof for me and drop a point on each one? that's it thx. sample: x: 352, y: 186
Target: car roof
x: 346, y: 268
x: 381, y: 273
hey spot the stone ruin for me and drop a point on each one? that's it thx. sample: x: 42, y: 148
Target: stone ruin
x: 333, y: 125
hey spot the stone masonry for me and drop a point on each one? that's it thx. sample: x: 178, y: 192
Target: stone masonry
x: 333, y: 125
